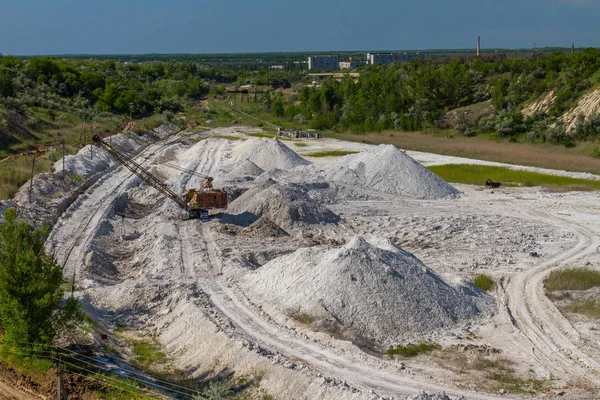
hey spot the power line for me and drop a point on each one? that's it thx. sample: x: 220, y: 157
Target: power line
x: 122, y: 382
x: 128, y: 370
x: 149, y: 381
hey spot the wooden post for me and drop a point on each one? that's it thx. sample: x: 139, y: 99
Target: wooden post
x: 61, y: 392
x: 31, y: 181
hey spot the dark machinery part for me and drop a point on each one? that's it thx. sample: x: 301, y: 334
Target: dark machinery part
x: 491, y: 184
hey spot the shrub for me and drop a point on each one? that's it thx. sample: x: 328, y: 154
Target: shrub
x: 168, y: 115
x: 483, y: 282
x: 413, y: 350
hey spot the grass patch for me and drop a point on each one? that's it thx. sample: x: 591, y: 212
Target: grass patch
x: 478, y: 174
x: 226, y: 137
x: 302, y: 317
x: 483, y: 282
x: 572, y: 279
x: 589, y: 308
x: 515, y: 384
x: 16, y: 171
x: 300, y: 144
x: 413, y: 350
x: 26, y: 364
x: 331, y: 153
x: 262, y: 135
x: 147, y: 354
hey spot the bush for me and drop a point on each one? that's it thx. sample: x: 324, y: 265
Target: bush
x: 483, y: 282
x: 572, y: 279
x: 168, y: 114
x: 413, y: 350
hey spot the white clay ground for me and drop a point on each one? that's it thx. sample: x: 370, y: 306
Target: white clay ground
x: 321, y: 265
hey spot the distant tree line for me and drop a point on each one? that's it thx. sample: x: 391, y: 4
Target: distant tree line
x: 410, y: 95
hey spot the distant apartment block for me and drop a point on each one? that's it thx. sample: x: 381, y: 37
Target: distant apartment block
x: 388, y: 58
x: 348, y: 64
x: 323, y: 62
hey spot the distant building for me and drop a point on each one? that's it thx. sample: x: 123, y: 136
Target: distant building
x: 388, y: 58
x: 277, y: 67
x: 323, y: 62
x: 348, y: 64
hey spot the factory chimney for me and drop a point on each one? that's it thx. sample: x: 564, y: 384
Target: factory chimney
x: 572, y: 48
x: 478, y: 45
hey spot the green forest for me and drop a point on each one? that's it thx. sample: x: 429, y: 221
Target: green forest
x: 401, y: 96
x: 412, y: 95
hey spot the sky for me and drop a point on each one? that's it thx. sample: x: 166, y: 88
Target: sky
x: 34, y: 27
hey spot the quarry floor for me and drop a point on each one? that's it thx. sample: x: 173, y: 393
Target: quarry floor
x: 137, y: 265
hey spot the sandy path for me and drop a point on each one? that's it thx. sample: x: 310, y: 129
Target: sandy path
x: 9, y: 392
x: 557, y: 344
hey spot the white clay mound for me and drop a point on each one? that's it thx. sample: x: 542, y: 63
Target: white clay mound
x: 286, y: 206
x: 386, y: 169
x: 376, y: 289
x: 268, y: 154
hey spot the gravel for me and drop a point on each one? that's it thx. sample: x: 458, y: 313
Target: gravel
x: 246, y: 168
x: 286, y: 206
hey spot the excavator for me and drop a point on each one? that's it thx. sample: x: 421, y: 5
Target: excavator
x: 195, y: 203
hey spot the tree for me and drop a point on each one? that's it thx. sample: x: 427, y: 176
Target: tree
x: 6, y: 85
x: 31, y: 298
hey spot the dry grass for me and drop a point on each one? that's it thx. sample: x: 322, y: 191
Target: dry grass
x: 538, y: 155
x: 17, y: 171
x: 590, y: 308
x: 572, y: 279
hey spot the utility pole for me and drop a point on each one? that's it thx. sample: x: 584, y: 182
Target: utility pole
x: 31, y: 181
x: 61, y: 392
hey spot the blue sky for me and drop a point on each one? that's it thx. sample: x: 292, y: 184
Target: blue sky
x: 200, y: 26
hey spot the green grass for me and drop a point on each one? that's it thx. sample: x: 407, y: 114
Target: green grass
x: 478, y: 174
x: 262, y: 135
x: 147, y: 354
x: 226, y: 137
x: 589, y: 308
x: 483, y: 282
x: 515, y: 384
x: 331, y: 153
x: 413, y: 350
x: 572, y: 279
x: 26, y: 364
x: 300, y: 144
